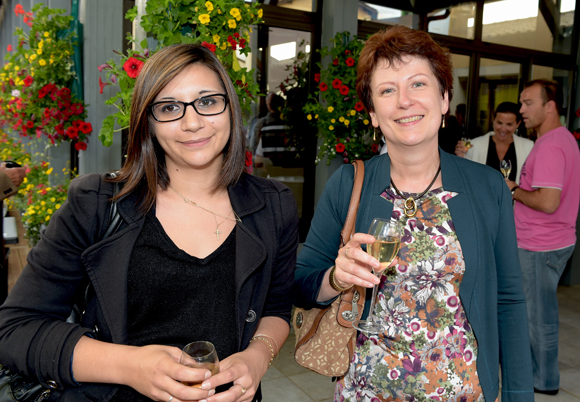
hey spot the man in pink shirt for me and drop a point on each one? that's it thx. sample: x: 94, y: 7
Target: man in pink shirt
x: 546, y: 209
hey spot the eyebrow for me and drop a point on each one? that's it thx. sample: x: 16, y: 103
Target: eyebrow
x: 202, y: 93
x: 410, y: 78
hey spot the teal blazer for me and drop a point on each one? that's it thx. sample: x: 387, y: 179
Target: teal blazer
x: 491, y: 289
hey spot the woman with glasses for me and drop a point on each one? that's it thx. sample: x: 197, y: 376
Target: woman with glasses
x: 204, y: 252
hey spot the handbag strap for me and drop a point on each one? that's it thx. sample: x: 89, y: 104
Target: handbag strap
x: 348, y: 229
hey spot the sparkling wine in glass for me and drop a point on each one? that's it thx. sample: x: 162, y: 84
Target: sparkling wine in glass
x: 200, y: 354
x: 385, y: 248
x: 467, y: 142
x: 505, y: 167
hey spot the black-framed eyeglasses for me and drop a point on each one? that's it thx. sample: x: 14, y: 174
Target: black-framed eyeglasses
x: 208, y: 105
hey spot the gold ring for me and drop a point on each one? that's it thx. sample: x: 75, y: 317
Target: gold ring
x: 346, y: 252
x: 243, y: 389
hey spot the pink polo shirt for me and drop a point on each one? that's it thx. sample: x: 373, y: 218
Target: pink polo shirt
x: 553, y: 163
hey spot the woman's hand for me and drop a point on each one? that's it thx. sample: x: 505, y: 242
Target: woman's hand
x: 157, y: 374
x: 461, y: 149
x: 245, y: 369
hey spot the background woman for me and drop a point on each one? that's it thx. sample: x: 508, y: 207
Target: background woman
x: 205, y: 252
x: 454, y: 306
x: 500, y: 144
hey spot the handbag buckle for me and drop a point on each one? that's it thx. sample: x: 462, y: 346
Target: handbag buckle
x: 350, y: 316
x: 299, y: 320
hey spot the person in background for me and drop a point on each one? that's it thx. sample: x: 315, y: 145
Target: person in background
x: 10, y: 179
x: 205, y: 252
x: 274, y: 105
x: 546, y: 208
x: 452, y: 308
x: 502, y: 143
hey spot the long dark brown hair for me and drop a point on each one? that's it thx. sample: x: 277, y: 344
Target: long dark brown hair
x: 145, y: 169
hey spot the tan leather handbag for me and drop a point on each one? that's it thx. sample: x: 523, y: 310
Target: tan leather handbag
x: 325, y: 338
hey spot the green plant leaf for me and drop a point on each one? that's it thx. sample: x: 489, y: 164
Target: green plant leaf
x: 106, y: 132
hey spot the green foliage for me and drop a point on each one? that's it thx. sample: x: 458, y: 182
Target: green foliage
x: 334, y: 107
x: 222, y: 26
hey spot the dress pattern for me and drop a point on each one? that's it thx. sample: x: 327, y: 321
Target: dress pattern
x: 428, y: 350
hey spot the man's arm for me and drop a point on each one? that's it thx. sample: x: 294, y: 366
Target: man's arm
x: 10, y: 179
x: 543, y: 199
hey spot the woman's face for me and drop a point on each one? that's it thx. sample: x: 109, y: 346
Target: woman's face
x: 194, y: 141
x: 408, y: 105
x: 504, y: 126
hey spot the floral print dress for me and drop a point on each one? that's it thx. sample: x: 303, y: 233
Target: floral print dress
x: 428, y: 350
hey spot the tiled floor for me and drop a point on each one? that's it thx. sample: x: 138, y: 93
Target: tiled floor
x: 289, y: 382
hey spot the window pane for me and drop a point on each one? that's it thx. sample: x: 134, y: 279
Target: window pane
x: 386, y: 15
x: 520, y: 23
x: 459, y: 23
x: 563, y: 77
x: 303, y: 5
x: 498, y: 82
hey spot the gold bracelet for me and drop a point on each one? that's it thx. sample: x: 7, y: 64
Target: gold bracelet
x: 333, y: 283
x: 262, y: 338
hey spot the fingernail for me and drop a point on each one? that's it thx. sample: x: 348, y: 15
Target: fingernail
x: 370, y: 285
x: 202, y: 400
x: 207, y: 374
x: 205, y: 386
x: 211, y: 392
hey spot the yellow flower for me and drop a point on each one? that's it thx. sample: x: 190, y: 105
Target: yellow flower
x: 341, y: 119
x: 39, y: 52
x: 49, y: 171
x: 46, y: 34
x: 57, y: 206
x: 49, y: 211
x: 52, y: 199
x: 219, y: 11
x: 352, y: 112
x: 331, y: 128
x: 43, y: 203
x: 33, y: 57
x: 316, y: 116
x: 260, y: 13
x: 346, y: 122
x: 366, y: 122
x: 224, y: 45
x: 209, y: 5
x: 232, y: 23
x: 235, y: 12
x: 42, y: 62
x: 309, y: 117
x: 47, y: 218
x: 216, y: 39
x: 330, y: 109
x: 40, y: 44
x: 16, y: 68
x: 204, y: 19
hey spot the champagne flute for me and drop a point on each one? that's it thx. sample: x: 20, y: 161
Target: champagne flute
x: 505, y: 167
x: 385, y: 248
x: 201, y: 355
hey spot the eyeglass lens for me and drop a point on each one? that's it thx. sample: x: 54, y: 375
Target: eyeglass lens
x: 173, y: 110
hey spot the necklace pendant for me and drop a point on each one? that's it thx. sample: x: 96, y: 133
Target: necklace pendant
x: 217, y: 233
x: 410, y: 207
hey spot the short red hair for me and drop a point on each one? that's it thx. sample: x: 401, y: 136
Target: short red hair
x: 392, y: 44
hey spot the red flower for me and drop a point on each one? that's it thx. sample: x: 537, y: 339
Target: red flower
x: 9, y: 48
x: 101, y: 85
x: 339, y: 147
x: 18, y: 10
x: 133, y: 67
x: 59, y: 129
x: 350, y: 62
x: 578, y: 112
x: 359, y: 107
x: 80, y: 146
x: 242, y: 43
x: 375, y: 148
x: 576, y: 135
x: 28, y: 19
x: 347, y: 52
x: 323, y: 86
x: 236, y: 35
x: 209, y: 46
x: 344, y: 90
x: 85, y: 128
x: 29, y: 124
x: 28, y: 81
x: 72, y: 133
x: 336, y: 83
x: 335, y: 62
x: 317, y: 77
x: 248, y: 158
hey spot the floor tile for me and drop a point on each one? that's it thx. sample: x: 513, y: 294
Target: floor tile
x: 569, y: 352
x: 283, y: 390
x: 561, y: 397
x: 570, y: 381
x: 316, y: 386
x: 272, y: 374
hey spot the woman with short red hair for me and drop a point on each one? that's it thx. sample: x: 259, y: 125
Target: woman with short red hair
x: 451, y: 307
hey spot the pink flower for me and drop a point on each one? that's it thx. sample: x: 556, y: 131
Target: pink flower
x: 103, y: 67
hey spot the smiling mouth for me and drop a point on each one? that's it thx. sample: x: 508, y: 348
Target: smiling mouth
x: 409, y: 119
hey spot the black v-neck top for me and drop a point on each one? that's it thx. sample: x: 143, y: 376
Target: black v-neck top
x: 493, y: 160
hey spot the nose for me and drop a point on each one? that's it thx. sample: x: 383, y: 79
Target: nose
x: 192, y: 120
x: 404, y: 99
